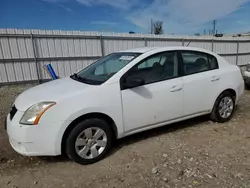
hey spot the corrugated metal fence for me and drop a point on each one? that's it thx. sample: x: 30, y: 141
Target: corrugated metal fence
x: 24, y: 52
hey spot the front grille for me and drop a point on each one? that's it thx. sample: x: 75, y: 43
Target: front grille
x: 13, y: 112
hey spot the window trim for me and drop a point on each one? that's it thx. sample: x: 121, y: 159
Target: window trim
x: 197, y: 52
x: 122, y: 87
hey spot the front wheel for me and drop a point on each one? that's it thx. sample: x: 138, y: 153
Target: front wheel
x: 89, y: 141
x: 223, y: 108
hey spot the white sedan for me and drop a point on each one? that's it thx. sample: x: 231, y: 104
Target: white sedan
x: 121, y: 94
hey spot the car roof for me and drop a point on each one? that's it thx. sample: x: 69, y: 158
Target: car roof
x: 139, y: 50
x: 168, y: 48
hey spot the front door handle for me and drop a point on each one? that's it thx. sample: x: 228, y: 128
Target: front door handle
x: 215, y: 78
x: 175, y: 89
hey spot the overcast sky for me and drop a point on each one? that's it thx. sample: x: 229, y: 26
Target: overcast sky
x: 178, y: 16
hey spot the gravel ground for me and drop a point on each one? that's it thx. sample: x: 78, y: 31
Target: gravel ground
x: 193, y: 153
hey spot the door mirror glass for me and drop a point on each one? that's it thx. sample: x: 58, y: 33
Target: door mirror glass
x: 131, y: 82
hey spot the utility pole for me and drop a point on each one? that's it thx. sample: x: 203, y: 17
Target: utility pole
x: 214, y: 27
x: 151, y: 26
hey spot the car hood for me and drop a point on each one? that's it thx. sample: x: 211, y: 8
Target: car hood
x: 50, y: 91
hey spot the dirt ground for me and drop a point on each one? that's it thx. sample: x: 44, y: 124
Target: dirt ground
x: 193, y: 153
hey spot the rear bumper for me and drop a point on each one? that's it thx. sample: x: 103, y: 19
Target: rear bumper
x: 247, y: 77
x: 247, y: 80
x: 27, y: 140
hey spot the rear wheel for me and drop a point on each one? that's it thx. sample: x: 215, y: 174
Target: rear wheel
x: 89, y: 141
x: 223, y: 108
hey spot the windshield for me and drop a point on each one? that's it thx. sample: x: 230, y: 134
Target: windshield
x: 103, y: 69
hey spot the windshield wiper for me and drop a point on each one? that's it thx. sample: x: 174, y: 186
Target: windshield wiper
x: 84, y: 80
x: 76, y: 77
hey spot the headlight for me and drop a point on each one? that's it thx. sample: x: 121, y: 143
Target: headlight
x: 34, y: 113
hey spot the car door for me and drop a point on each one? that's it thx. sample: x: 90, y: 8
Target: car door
x: 201, y: 81
x: 159, y: 99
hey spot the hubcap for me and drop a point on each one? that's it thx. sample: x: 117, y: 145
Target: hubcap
x: 226, y: 107
x: 91, y: 142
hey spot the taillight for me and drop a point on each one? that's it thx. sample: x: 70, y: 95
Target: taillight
x: 241, y: 72
x: 248, y: 68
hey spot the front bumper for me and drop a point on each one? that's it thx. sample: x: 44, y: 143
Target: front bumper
x: 29, y: 140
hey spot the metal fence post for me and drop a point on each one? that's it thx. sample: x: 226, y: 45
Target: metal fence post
x: 237, y: 55
x: 102, y: 46
x: 182, y: 41
x: 212, y: 44
x: 35, y: 57
x: 103, y: 53
x: 146, y: 42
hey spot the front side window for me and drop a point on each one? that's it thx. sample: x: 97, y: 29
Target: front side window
x: 103, y: 69
x: 195, y: 62
x: 156, y: 68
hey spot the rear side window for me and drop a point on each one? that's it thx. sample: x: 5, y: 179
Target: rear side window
x: 195, y: 62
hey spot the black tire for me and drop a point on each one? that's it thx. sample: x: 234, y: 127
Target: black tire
x: 77, y: 130
x: 215, y: 115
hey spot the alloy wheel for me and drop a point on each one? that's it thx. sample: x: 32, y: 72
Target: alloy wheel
x: 91, y: 142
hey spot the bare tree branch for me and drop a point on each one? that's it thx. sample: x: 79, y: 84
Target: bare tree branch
x: 158, y: 27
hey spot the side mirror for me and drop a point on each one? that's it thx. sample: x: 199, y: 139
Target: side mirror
x: 131, y: 82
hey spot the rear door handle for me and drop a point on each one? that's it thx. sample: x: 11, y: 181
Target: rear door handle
x: 175, y: 89
x: 215, y: 78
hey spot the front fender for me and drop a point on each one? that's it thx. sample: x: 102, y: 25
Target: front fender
x: 112, y: 113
